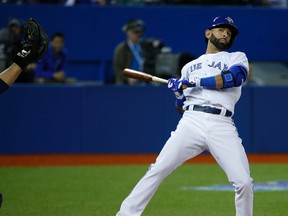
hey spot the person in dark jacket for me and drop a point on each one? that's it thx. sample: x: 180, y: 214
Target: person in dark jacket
x: 128, y: 54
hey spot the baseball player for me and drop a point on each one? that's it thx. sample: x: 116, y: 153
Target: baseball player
x: 32, y: 49
x: 206, y: 93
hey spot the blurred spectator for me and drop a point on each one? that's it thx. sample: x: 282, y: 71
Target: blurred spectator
x: 10, y: 41
x: 51, y: 68
x: 135, y: 52
x: 128, y: 54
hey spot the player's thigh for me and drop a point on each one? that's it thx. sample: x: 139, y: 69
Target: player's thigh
x: 184, y: 143
x: 231, y: 156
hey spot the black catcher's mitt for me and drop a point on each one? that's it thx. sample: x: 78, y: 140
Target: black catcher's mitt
x: 34, y: 45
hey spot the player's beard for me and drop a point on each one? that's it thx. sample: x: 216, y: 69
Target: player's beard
x: 219, y: 45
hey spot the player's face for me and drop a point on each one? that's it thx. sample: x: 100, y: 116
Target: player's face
x: 220, y: 38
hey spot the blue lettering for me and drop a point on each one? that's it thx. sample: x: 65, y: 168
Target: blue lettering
x: 218, y: 65
x: 212, y: 65
x: 195, y: 67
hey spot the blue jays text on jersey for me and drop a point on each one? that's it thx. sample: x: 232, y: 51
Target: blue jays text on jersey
x: 221, y: 66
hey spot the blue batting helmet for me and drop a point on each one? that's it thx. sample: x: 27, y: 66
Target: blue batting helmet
x: 222, y: 21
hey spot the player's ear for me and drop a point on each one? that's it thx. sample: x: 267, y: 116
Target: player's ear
x: 208, y: 34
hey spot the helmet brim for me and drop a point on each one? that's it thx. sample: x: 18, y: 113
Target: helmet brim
x: 233, y: 28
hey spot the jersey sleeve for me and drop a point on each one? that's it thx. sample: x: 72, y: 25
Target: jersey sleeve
x: 239, y: 59
x: 184, y: 72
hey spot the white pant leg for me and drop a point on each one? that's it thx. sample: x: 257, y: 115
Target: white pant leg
x: 183, y: 144
x: 226, y: 147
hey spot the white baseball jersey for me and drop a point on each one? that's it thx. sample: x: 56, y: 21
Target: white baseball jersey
x: 210, y: 65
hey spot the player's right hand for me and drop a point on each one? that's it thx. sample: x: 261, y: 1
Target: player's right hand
x: 176, y: 85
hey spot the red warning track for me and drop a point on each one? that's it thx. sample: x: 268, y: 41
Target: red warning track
x: 116, y: 159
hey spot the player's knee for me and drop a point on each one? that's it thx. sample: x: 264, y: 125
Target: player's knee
x: 244, y: 185
x: 162, y: 169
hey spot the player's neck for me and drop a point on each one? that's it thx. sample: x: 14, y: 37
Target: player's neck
x: 212, y: 49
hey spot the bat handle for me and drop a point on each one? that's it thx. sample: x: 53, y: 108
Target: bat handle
x: 158, y: 79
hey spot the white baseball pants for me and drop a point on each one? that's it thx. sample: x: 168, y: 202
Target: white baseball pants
x: 196, y: 132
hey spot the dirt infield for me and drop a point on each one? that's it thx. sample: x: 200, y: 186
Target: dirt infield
x: 117, y: 159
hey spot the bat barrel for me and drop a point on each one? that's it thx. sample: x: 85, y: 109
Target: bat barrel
x: 137, y: 74
x: 142, y: 76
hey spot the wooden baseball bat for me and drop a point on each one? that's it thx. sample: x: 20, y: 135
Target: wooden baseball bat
x: 142, y: 76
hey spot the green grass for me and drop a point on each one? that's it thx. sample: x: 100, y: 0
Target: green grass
x: 99, y: 191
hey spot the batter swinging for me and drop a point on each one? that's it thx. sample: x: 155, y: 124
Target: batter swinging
x: 214, y: 86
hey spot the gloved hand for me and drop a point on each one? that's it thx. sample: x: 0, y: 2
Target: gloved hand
x: 34, y: 45
x: 177, y: 85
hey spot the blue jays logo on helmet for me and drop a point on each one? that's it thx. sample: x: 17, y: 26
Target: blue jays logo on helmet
x: 225, y: 21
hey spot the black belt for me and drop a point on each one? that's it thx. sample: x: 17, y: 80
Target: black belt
x: 209, y: 109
